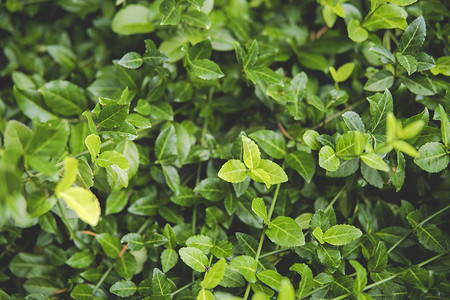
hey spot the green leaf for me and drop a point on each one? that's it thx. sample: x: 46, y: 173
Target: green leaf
x: 233, y: 171
x: 330, y: 256
x: 260, y: 175
x: 309, y: 137
x: 419, y: 84
x: 252, y: 156
x: 374, y: 161
x: 205, y: 295
x: 110, y: 244
x: 116, y: 202
x: 132, y: 19
x: 64, y: 98
x: 445, y: 126
x: 80, y: 260
x: 417, y: 277
x: 442, y: 66
x: 126, y: 265
x: 408, y: 62
x: 112, y: 116
x: 353, y: 121
x: 339, y: 235
x: 123, y: 288
x: 171, y: 12
x: 145, y: 206
x: 313, y: 61
x: 252, y: 55
x: 246, y: 266
x: 154, y: 57
x: 343, y: 73
x: 222, y: 249
x: 264, y: 74
x: 172, y: 178
x: 379, y: 259
x: 260, y: 209
x: 196, y: 19
x: 70, y: 174
x: 424, y: 61
x: 380, y: 105
x: 356, y: 32
x: 48, y: 139
x: 387, y: 16
x: 432, y: 157
x: 361, y: 276
x: 306, y: 282
x: 194, y: 258
x: 285, y: 232
x: 84, y: 203
x: 160, y: 283
x: 42, y: 286
x: 271, y: 278
x: 212, y: 189
x: 134, y: 241
x: 169, y: 259
x: 351, y: 144
x: 24, y: 264
x: 383, y: 54
x: 27, y: 100
x: 131, y: 60
x: 201, y: 242
x: 232, y: 278
x: 379, y: 81
x: 166, y: 144
x: 286, y: 290
x: 205, y: 69
x: 93, y: 143
x: 109, y: 158
x: 432, y: 238
x: 275, y: 172
x: 82, y: 292
x: 215, y: 275
x: 328, y: 159
x: 270, y: 142
x: 63, y: 56
x: 414, y: 36
x: 303, y: 163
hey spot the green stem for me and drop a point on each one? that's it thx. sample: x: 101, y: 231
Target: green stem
x: 338, y: 114
x: 182, y: 288
x: 99, y: 283
x: 434, y: 215
x: 263, y: 235
x: 65, y: 219
x: 334, y: 199
x: 144, y: 225
x: 274, y: 252
x: 433, y: 258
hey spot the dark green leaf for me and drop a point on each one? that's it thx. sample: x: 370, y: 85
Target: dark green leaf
x: 126, y: 265
x: 270, y: 142
x: 414, y: 36
x: 64, y: 98
x: 123, y: 288
x: 131, y: 60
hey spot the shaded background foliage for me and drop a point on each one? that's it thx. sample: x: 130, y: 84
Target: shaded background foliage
x: 171, y: 86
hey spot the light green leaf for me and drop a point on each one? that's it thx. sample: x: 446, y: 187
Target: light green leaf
x: 131, y: 60
x: 252, y: 55
x: 222, y: 249
x: 303, y: 163
x: 271, y: 278
x: 194, y: 258
x: 374, y: 161
x: 356, y: 32
x: 329, y: 256
x: 432, y: 157
x: 445, y: 126
x: 112, y: 157
x: 380, y: 81
x: 215, y: 275
x: 339, y: 235
x: 83, y: 202
x: 93, y: 144
x: 408, y: 62
x: 387, y: 16
x: 134, y: 241
x: 123, y: 288
x: 205, y: 295
x: 112, y: 116
x: 260, y: 175
x: 245, y: 265
x: 287, y: 291
x: 206, y: 69
x: 343, y: 73
x: 252, y: 156
x: 351, y: 144
x: 309, y: 137
x: 154, y: 57
x: 442, y: 66
x: 285, y: 232
x: 70, y: 175
x: 126, y: 265
x: 361, y: 276
x: 313, y: 61
x: 201, y: 242
x: 414, y: 36
x: 328, y: 159
x: 233, y: 171
x: 48, y: 139
x: 271, y: 142
x: 417, y: 277
x: 169, y: 259
x: 318, y: 234
x: 171, y: 12
x: 132, y: 19
x: 306, y: 282
x: 265, y: 74
x: 275, y: 172
x: 259, y: 208
x: 196, y: 19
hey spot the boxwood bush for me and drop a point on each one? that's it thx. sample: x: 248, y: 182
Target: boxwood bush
x: 224, y: 149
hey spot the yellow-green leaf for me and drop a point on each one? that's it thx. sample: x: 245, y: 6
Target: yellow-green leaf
x: 70, y: 175
x: 84, y: 203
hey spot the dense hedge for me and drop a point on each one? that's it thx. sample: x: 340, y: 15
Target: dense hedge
x: 224, y: 149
